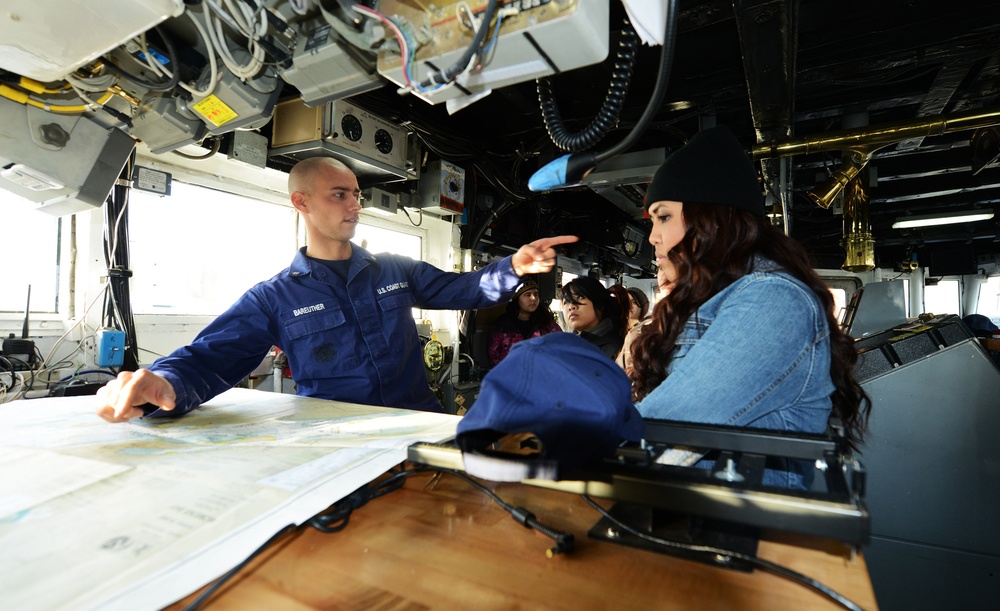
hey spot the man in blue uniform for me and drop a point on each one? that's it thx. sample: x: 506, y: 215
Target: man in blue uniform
x: 341, y: 314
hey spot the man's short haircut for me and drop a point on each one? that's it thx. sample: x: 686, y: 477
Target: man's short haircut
x: 299, y: 178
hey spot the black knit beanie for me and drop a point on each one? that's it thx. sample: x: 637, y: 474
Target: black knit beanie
x: 712, y: 168
x: 524, y: 287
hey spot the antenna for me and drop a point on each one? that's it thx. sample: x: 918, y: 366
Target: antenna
x: 27, y: 309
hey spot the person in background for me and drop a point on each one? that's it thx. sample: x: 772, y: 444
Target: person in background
x: 525, y: 317
x: 638, y: 306
x: 745, y: 335
x: 341, y: 314
x: 595, y: 313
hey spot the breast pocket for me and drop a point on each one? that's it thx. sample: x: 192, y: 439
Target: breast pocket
x: 319, y: 344
x: 396, y: 300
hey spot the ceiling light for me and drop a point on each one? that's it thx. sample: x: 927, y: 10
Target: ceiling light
x: 948, y: 218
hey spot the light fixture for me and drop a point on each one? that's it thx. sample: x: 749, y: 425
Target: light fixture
x: 946, y: 218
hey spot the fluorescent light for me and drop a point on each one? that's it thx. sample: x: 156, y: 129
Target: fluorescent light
x: 906, y: 222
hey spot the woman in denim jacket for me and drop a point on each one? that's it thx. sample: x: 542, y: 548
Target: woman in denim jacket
x: 746, y: 335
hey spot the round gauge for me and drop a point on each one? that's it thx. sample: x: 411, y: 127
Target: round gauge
x: 434, y: 355
x: 383, y: 141
x: 351, y: 127
x: 453, y: 187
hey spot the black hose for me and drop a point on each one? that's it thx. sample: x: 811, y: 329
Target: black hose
x: 607, y: 117
x: 662, y: 77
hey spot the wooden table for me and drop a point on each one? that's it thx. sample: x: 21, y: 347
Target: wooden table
x: 445, y: 545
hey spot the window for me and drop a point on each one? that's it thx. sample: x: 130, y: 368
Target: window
x: 942, y: 298
x: 989, y: 299
x: 839, y: 303
x: 842, y: 288
x: 377, y: 239
x: 29, y: 250
x: 196, y: 251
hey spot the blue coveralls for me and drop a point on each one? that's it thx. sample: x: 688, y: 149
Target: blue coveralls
x: 355, y: 341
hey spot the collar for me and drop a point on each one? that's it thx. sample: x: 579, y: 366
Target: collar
x: 302, y: 266
x: 603, y: 328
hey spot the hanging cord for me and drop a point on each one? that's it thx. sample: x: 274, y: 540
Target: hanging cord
x: 571, y: 168
x: 729, y: 555
x: 663, y: 77
x: 118, y: 308
x: 607, y: 117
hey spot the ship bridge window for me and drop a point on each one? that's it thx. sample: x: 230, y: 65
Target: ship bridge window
x: 942, y: 298
x: 380, y: 239
x: 29, y: 249
x: 196, y: 251
x: 989, y: 299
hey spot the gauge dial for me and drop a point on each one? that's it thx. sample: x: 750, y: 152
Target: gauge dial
x: 383, y: 141
x: 434, y: 355
x: 351, y: 127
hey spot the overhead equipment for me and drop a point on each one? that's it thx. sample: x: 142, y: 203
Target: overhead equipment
x: 374, y: 148
x: 63, y: 163
x: 445, y: 52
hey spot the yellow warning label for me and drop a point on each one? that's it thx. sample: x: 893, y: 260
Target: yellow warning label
x: 214, y: 110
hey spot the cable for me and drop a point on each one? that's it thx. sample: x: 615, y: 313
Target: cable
x: 214, y: 19
x: 118, y: 305
x: 161, y: 87
x: 23, y: 98
x: 221, y: 581
x: 607, y: 117
x: 10, y: 369
x: 443, y: 77
x: 216, y: 145
x: 58, y: 342
x: 564, y: 542
x: 760, y: 563
x: 409, y: 218
x: 571, y: 168
x: 406, y: 50
x: 86, y: 371
x: 338, y: 516
x: 663, y: 77
x: 24, y: 386
x: 154, y: 63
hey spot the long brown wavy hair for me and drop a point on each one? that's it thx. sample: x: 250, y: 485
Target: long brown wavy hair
x: 717, y: 249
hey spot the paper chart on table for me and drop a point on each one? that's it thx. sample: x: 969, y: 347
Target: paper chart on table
x: 139, y: 515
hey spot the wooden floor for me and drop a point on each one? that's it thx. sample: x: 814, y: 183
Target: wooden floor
x: 445, y: 545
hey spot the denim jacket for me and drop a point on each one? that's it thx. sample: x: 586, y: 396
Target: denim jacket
x: 757, y: 354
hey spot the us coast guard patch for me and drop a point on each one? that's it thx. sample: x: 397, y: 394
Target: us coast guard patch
x: 324, y: 353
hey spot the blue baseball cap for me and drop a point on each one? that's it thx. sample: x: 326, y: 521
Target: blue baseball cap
x: 562, y: 389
